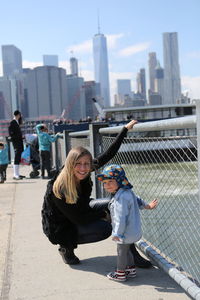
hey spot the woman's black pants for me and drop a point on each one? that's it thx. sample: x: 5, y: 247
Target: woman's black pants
x: 98, y: 230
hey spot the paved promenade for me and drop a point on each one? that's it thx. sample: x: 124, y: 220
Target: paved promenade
x: 31, y: 268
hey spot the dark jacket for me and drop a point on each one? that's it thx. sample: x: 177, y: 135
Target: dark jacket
x: 63, y: 218
x: 15, y: 133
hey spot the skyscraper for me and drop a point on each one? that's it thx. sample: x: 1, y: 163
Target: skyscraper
x: 50, y: 60
x: 159, y: 81
x: 46, y: 91
x: 123, y: 91
x: 141, y: 83
x: 171, y: 68
x: 74, y: 66
x: 12, y: 60
x: 101, y: 67
x: 152, y: 66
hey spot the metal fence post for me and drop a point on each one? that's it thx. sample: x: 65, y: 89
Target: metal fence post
x: 95, y: 149
x: 197, y: 102
x: 67, y: 143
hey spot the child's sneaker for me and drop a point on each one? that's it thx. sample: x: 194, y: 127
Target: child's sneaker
x: 117, y: 276
x: 130, y: 272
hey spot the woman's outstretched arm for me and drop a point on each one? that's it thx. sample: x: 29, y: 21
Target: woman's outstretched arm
x: 102, y: 159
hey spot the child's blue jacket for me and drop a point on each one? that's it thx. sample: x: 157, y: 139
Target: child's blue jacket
x: 45, y: 139
x: 4, y: 155
x: 124, y: 209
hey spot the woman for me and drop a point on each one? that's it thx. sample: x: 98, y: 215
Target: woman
x: 72, y: 219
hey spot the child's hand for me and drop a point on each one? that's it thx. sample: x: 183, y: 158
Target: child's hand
x: 152, y: 204
x: 116, y: 238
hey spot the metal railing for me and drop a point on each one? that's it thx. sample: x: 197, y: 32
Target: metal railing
x: 160, y: 159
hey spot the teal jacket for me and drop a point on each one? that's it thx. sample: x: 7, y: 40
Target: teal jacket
x: 4, y: 155
x: 45, y: 139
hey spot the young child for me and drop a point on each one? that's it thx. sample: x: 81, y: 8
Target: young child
x: 126, y: 225
x: 45, y: 141
x: 3, y: 161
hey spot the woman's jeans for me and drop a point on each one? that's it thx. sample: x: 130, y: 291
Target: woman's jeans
x: 98, y: 230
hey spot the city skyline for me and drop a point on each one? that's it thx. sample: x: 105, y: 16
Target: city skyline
x: 132, y: 30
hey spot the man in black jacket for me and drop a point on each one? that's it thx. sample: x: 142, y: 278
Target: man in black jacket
x: 17, y: 141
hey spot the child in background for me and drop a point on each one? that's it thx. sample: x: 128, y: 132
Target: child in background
x: 3, y: 161
x: 126, y: 225
x: 45, y: 141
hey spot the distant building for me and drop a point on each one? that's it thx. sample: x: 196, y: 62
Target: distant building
x: 92, y: 90
x: 171, y: 68
x: 12, y: 60
x: 155, y: 99
x: 46, y: 91
x: 74, y: 66
x: 123, y: 90
x: 101, y: 67
x: 50, y: 60
x: 159, y: 82
x: 75, y: 108
x: 5, y: 99
x: 152, y: 71
x: 141, y: 84
x: 156, y: 112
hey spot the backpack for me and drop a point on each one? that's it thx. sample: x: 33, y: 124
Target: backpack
x: 49, y: 223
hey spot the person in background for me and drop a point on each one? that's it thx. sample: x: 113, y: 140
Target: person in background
x: 3, y: 161
x: 17, y: 141
x: 45, y: 140
x: 126, y: 225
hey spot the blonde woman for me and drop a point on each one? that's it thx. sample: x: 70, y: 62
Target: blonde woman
x: 69, y: 218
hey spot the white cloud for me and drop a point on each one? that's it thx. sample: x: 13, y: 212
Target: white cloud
x: 131, y: 50
x: 84, y: 47
x: 31, y: 64
x: 194, y: 54
x: 88, y: 75
x: 65, y: 65
x: 192, y: 84
x: 112, y: 40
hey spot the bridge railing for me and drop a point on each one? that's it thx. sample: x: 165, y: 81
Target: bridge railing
x: 160, y: 159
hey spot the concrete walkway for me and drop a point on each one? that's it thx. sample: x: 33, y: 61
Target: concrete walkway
x: 31, y: 268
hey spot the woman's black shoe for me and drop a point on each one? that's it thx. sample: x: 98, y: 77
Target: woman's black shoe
x: 140, y: 261
x: 68, y: 256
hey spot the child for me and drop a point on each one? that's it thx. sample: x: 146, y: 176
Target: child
x: 45, y: 141
x: 126, y: 225
x: 3, y: 161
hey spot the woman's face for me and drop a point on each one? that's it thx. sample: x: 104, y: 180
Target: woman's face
x: 82, y: 167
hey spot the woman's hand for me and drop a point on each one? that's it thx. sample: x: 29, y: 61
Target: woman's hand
x: 131, y: 124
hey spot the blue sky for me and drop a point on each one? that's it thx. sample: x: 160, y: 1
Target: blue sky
x: 133, y: 29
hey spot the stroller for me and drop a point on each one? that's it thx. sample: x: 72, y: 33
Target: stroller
x: 34, y: 157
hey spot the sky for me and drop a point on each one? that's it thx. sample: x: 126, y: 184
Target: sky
x: 133, y: 29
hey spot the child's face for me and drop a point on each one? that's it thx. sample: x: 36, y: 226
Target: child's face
x: 1, y: 147
x: 110, y: 185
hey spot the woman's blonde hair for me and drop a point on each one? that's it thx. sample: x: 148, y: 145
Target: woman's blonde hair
x: 65, y: 184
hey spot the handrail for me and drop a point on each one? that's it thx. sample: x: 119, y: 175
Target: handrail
x: 175, y: 123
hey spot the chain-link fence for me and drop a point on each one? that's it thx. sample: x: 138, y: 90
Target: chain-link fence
x: 166, y: 169
x: 162, y: 163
